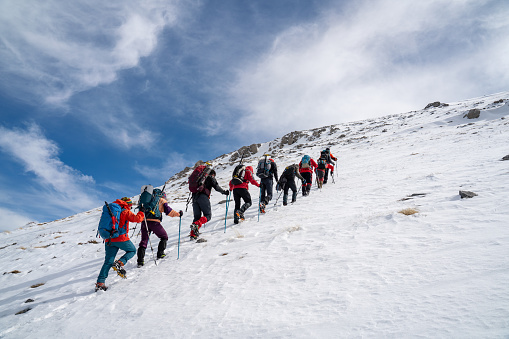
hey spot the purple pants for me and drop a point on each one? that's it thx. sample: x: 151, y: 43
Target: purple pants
x: 155, y: 227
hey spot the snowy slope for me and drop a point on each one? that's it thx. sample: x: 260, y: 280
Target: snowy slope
x: 342, y: 262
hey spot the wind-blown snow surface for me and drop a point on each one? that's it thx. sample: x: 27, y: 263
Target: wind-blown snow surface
x: 340, y: 263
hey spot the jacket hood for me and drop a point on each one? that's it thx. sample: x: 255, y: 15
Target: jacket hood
x: 122, y: 203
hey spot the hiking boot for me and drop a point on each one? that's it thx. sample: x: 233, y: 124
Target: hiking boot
x: 141, y: 255
x: 160, y: 249
x: 240, y: 215
x: 195, y: 229
x: 193, y: 236
x: 100, y: 286
x: 118, y: 266
x: 140, y: 264
x: 262, y: 207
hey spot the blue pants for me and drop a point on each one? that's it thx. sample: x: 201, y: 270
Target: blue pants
x: 111, y: 252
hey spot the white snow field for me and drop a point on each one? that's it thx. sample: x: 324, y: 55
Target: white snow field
x: 341, y: 263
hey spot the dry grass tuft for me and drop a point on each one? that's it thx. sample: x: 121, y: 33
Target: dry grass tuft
x: 409, y: 211
x: 37, y: 285
x: 12, y: 272
x: 45, y: 246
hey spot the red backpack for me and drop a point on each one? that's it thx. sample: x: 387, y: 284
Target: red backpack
x: 197, y: 178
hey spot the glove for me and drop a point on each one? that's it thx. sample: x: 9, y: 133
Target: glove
x: 226, y: 192
x: 181, y: 213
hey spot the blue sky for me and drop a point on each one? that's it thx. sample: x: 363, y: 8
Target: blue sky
x: 99, y: 98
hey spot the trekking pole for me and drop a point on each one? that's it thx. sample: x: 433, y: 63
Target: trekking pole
x: 150, y: 242
x: 178, y: 248
x: 226, y: 213
x: 134, y: 230
x: 278, y: 197
x: 188, y: 200
x: 259, y: 202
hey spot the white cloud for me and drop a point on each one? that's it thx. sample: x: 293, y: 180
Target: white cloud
x: 10, y: 220
x: 60, y: 48
x: 63, y: 187
x: 123, y: 130
x: 375, y: 58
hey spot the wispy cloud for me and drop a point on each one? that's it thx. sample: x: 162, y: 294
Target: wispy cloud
x: 373, y: 58
x: 10, y: 220
x: 60, y: 186
x: 173, y: 163
x: 60, y: 48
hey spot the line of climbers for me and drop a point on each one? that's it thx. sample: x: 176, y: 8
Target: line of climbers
x: 114, y: 222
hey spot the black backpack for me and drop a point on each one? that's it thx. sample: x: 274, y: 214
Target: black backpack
x: 289, y: 172
x: 325, y: 155
x: 322, y: 163
x: 238, y: 174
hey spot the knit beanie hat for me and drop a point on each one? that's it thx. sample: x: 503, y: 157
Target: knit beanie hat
x: 127, y: 200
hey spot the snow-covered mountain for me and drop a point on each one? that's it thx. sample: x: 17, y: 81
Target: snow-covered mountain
x: 389, y: 249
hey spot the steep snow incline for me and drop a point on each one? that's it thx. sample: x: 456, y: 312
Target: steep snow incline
x: 342, y: 262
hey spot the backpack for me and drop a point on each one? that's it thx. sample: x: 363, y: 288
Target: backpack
x: 150, y: 206
x: 109, y: 227
x: 305, y: 162
x: 263, y: 168
x: 322, y: 163
x: 146, y: 195
x: 197, y: 178
x: 238, y: 174
x: 289, y: 172
x: 325, y: 154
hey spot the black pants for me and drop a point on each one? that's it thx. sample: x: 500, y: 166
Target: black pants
x: 238, y: 194
x: 266, y: 187
x: 201, y: 204
x: 290, y: 185
x: 308, y: 176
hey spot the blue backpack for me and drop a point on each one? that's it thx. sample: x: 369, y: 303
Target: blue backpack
x: 109, y: 227
x: 305, y: 163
